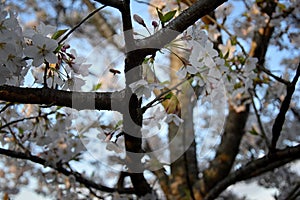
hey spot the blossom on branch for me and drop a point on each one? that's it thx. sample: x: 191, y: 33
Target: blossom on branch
x: 42, y: 50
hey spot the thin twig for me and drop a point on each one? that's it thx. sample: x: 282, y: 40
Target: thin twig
x: 16, y: 140
x: 6, y: 106
x: 263, y: 133
x: 45, y: 74
x: 79, y: 24
x: 164, y: 93
x: 59, y: 168
x: 227, y: 31
x: 296, y: 113
x: 147, y: 3
x: 281, y: 80
x: 23, y: 119
x: 94, y: 193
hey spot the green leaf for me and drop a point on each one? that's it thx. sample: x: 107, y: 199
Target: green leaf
x: 281, y: 6
x: 58, y: 48
x: 221, y: 54
x: 58, y: 33
x: 169, y: 95
x: 253, y: 131
x: 146, y: 60
x: 229, y: 78
x: 164, y: 82
x: 119, y: 124
x: 233, y: 40
x: 168, y: 16
x: 97, y: 87
x: 226, y: 55
x: 237, y: 86
x: 160, y: 15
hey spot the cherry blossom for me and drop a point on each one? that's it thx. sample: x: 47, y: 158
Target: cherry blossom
x: 78, y: 64
x: 42, y: 29
x: 4, y: 74
x: 228, y: 49
x: 153, y: 118
x: 199, y: 35
x: 184, y: 70
x: 73, y: 82
x: 141, y: 88
x: 207, y: 54
x: 174, y: 118
x: 250, y: 64
x: 42, y: 50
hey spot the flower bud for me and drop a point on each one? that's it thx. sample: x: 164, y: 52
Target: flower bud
x: 139, y: 20
x: 154, y: 24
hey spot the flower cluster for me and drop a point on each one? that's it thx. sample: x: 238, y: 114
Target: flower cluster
x: 215, y: 71
x: 37, y: 49
x: 11, y: 47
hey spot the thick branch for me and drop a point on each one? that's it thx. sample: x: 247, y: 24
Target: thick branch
x: 279, y: 121
x: 79, y: 178
x: 179, y: 24
x: 77, y: 100
x: 255, y: 168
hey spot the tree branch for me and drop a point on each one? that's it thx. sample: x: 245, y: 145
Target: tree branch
x: 187, y: 18
x: 260, y: 124
x: 23, y: 119
x: 77, y: 100
x: 279, y: 121
x: 80, y: 23
x: 79, y: 178
x: 255, y: 168
x: 281, y: 80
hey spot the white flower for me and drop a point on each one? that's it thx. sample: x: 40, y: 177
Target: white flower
x: 199, y: 35
x: 141, y: 88
x: 41, y: 29
x: 4, y: 74
x: 74, y: 83
x: 7, y: 51
x: 214, y: 73
x: 42, y: 50
x: 207, y: 54
x: 78, y: 64
x: 80, y: 68
x: 174, y: 118
x: 213, y: 32
x: 223, y: 11
x: 155, y: 118
x: 229, y: 48
x: 181, y: 73
x: 250, y: 65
